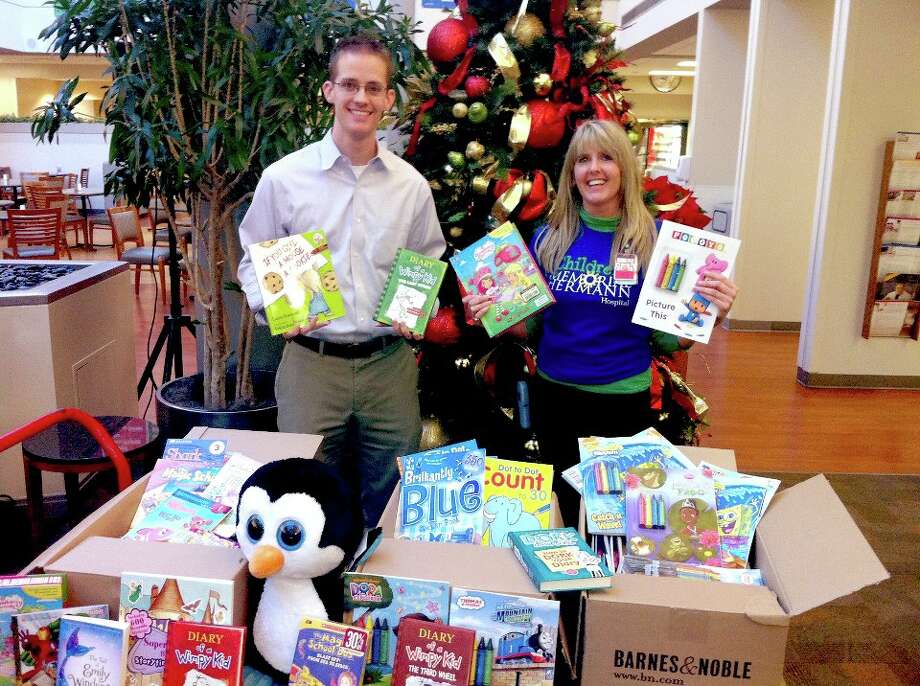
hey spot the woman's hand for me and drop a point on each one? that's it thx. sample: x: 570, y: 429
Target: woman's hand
x: 477, y: 305
x: 720, y: 290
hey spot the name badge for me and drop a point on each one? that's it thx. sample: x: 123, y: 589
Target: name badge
x: 626, y: 268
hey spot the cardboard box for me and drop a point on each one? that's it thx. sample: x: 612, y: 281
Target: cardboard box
x: 93, y: 555
x: 661, y: 629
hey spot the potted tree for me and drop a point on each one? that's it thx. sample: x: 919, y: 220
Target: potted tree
x: 205, y: 94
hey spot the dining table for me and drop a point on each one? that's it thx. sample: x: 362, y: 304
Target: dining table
x: 84, y: 194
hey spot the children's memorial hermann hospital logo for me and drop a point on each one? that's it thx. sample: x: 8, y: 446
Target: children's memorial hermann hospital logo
x: 590, y: 278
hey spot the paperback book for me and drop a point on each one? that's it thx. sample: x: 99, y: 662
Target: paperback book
x: 411, y: 290
x: 35, y: 642
x: 204, y: 655
x: 189, y: 464
x: 19, y: 595
x: 441, y: 495
x: 671, y: 515
x: 183, y: 517
x: 225, y: 489
x: 518, y: 497
x: 667, y: 300
x: 92, y: 652
x: 433, y: 654
x: 380, y: 604
x: 149, y: 602
x: 559, y: 560
x: 329, y: 654
x: 515, y: 636
x: 500, y: 266
x: 297, y: 280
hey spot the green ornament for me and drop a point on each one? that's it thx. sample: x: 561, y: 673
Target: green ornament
x: 634, y: 136
x: 456, y: 159
x: 478, y: 112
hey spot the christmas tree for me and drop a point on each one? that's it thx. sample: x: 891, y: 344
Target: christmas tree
x: 491, y: 125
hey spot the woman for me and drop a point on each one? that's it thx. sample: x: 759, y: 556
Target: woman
x: 593, y: 363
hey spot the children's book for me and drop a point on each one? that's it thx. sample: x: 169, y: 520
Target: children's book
x: 35, y: 642
x: 380, y: 604
x: 441, y: 496
x: 148, y: 602
x: 518, y: 496
x: 640, y: 565
x: 741, y: 500
x: 225, y: 489
x: 329, y: 654
x: 18, y: 595
x: 433, y: 654
x: 189, y: 464
x: 515, y: 636
x: 500, y: 266
x: 667, y: 301
x: 411, y: 290
x: 204, y: 655
x: 182, y: 517
x: 671, y: 515
x: 559, y: 560
x: 297, y: 280
x: 92, y: 652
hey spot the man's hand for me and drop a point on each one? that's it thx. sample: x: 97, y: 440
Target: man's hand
x: 310, y: 326
x: 477, y: 306
x: 406, y: 332
x: 719, y: 290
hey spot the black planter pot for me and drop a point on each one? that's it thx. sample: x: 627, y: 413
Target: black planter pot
x: 179, y: 406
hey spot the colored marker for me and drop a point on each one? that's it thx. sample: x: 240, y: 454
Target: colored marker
x: 375, y: 656
x: 617, y: 479
x: 385, y: 642
x: 369, y: 625
x: 490, y: 657
x: 661, y: 272
x: 667, y: 274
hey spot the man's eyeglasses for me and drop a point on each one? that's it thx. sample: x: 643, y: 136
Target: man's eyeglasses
x: 350, y: 86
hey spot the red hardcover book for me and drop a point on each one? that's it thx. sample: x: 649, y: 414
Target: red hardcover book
x: 203, y: 655
x: 432, y: 654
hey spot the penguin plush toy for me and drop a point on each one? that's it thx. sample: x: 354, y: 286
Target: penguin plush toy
x: 298, y: 524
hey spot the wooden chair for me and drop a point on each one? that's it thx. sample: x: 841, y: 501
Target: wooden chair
x: 126, y: 228
x: 69, y: 219
x: 34, y: 234
x: 29, y: 177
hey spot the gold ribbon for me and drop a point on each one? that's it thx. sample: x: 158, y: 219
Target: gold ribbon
x: 522, y: 10
x: 520, y: 129
x: 671, y: 206
x: 504, y: 58
x: 508, y: 201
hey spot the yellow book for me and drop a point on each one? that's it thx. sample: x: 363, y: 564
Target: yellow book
x: 517, y: 497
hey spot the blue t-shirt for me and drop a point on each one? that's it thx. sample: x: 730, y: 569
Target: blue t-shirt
x: 588, y: 335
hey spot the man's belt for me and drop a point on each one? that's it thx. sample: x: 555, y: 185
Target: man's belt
x: 349, y: 351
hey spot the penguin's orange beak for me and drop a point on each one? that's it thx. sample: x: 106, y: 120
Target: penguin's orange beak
x: 265, y: 561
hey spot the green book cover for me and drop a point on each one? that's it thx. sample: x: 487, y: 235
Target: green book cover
x: 411, y: 290
x: 297, y: 280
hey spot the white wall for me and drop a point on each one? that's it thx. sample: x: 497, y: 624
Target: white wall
x: 21, y: 25
x: 875, y: 54
x: 81, y: 145
x: 715, y: 127
x: 784, y: 106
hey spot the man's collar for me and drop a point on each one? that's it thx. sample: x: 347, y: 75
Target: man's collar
x: 329, y: 153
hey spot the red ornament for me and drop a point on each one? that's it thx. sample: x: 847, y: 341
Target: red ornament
x: 447, y: 40
x: 477, y: 86
x: 547, y: 124
x: 443, y: 328
x: 534, y: 204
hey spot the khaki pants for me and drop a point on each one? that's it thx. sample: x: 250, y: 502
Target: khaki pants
x: 366, y: 409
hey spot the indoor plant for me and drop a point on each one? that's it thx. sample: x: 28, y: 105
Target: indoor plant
x: 205, y: 94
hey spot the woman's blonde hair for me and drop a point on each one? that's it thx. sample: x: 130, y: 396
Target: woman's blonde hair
x: 636, y: 232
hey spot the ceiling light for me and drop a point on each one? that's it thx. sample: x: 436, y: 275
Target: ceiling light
x: 670, y: 72
x: 687, y: 63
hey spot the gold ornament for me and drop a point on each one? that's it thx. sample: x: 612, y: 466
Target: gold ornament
x: 480, y: 185
x: 526, y: 29
x: 592, y: 15
x: 459, y: 110
x: 605, y: 28
x: 444, y: 129
x: 433, y: 434
x: 456, y: 231
x: 589, y: 59
x: 475, y: 150
x: 542, y: 84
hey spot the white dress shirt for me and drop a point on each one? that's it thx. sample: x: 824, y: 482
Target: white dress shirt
x: 366, y: 219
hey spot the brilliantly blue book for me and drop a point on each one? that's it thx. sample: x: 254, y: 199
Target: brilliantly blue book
x: 515, y: 636
x: 380, y: 603
x: 559, y: 560
x: 441, y: 495
x: 92, y: 652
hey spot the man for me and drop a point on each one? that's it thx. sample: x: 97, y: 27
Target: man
x: 350, y: 379
x: 900, y: 292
